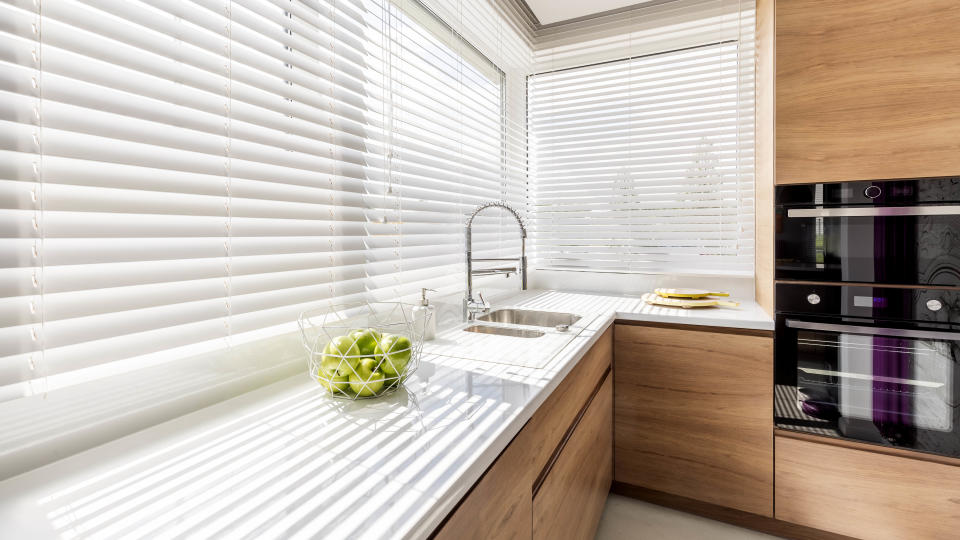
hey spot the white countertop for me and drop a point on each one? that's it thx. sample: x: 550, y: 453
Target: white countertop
x: 286, y: 461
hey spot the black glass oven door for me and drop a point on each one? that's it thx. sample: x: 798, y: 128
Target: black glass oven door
x: 881, y: 385
x: 894, y: 245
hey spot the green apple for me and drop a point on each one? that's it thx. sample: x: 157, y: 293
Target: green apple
x: 365, y: 381
x: 394, y: 351
x: 340, y: 357
x: 366, y: 340
x: 336, y: 383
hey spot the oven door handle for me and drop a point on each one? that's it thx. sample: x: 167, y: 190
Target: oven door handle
x: 876, y: 211
x: 871, y: 331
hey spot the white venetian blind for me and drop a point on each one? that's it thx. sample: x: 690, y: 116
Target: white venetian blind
x: 179, y: 172
x: 445, y: 141
x: 644, y: 163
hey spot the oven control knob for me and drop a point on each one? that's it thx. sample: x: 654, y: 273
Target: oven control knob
x: 872, y: 192
x: 934, y: 305
x: 813, y: 298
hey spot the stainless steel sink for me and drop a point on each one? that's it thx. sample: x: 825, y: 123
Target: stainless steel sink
x: 501, y: 331
x: 529, y: 317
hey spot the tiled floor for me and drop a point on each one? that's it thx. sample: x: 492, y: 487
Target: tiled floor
x: 629, y: 519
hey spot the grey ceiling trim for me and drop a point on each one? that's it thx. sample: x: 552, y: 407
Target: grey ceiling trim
x: 529, y: 16
x: 521, y: 8
x: 518, y: 18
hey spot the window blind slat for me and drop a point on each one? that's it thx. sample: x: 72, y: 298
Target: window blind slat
x: 176, y: 173
x: 646, y: 163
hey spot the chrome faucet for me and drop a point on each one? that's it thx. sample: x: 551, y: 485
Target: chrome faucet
x: 471, y: 306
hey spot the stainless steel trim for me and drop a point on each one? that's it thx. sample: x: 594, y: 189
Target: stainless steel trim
x: 493, y: 271
x: 529, y: 317
x: 871, y: 331
x: 865, y: 377
x: 872, y: 211
x: 504, y: 331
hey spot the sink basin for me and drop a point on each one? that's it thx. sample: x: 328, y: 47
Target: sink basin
x: 529, y: 317
x: 500, y: 331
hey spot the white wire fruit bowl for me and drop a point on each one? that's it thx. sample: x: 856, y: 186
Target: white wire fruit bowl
x: 362, y: 351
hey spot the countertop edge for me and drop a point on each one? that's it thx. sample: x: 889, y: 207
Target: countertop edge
x: 745, y: 324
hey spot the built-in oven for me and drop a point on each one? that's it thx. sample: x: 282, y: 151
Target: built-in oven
x: 890, y: 232
x: 870, y: 363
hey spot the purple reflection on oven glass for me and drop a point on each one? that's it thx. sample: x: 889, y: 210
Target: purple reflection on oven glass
x: 892, y: 405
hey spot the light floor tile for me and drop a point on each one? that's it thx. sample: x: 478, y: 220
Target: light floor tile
x: 629, y: 519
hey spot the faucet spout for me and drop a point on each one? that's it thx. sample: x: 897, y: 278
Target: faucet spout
x: 471, y: 306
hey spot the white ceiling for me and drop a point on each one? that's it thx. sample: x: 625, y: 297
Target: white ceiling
x: 551, y: 11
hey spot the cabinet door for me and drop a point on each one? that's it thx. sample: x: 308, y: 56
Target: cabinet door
x: 498, y: 506
x: 866, y: 494
x: 571, y: 498
x: 551, y: 422
x: 867, y: 90
x: 693, y: 415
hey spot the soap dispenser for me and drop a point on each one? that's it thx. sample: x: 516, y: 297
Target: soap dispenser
x: 425, y: 316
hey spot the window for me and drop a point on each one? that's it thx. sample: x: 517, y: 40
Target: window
x: 178, y: 177
x: 645, y: 164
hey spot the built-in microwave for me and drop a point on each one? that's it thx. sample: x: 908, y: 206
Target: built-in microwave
x: 885, y: 232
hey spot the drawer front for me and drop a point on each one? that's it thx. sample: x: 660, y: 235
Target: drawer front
x: 553, y: 419
x: 498, y: 506
x: 694, y: 415
x: 865, y: 494
x: 571, y: 499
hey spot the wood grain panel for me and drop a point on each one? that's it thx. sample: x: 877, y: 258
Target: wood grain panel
x: 571, y: 500
x: 867, y: 447
x: 765, y: 155
x: 499, y: 506
x: 867, y: 89
x: 865, y: 494
x: 552, y: 420
x: 693, y: 415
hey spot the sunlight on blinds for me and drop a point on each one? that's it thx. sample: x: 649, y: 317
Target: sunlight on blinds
x: 182, y: 176
x: 645, y: 164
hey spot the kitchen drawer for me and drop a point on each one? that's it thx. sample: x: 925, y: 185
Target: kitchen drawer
x: 865, y: 493
x: 572, y: 496
x: 499, y: 504
x: 558, y: 413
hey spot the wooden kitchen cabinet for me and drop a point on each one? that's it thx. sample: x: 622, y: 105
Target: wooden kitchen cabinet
x: 499, y: 505
x: 854, y: 490
x: 573, y: 424
x: 693, y: 414
x: 570, y: 501
x: 553, y: 419
x: 867, y: 89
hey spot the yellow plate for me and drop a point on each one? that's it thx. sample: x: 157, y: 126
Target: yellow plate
x: 687, y: 293
x: 687, y: 303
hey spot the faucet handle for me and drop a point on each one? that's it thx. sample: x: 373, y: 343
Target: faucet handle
x: 474, y: 306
